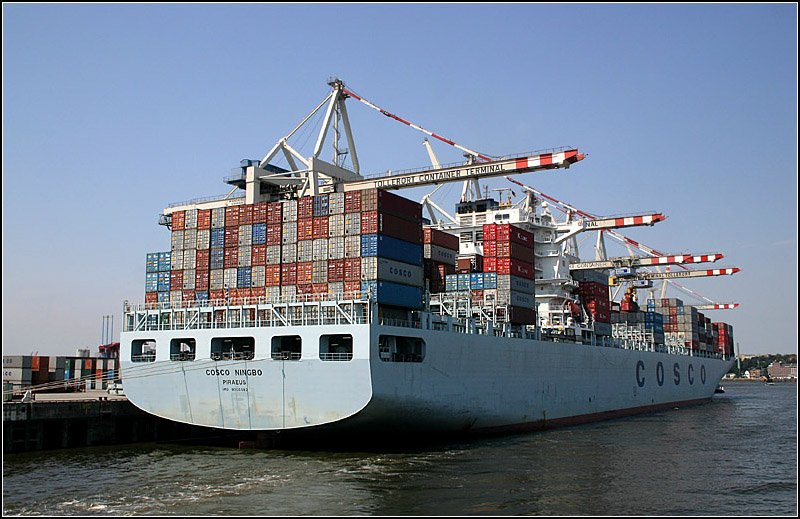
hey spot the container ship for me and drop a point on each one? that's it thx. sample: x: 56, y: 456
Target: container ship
x: 321, y: 300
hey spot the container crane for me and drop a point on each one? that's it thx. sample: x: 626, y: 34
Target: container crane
x: 633, y: 261
x: 616, y: 280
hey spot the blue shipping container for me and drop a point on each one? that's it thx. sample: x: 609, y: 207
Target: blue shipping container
x: 451, y: 282
x: 201, y: 295
x: 163, y: 297
x: 489, y: 280
x: 151, y: 264
x: 320, y: 205
x: 216, y: 259
x: 243, y: 277
x: 476, y: 281
x: 151, y: 282
x: 463, y: 281
x: 217, y: 238
x: 259, y: 233
x: 394, y: 294
x: 391, y: 248
x: 163, y: 282
x: 164, y: 261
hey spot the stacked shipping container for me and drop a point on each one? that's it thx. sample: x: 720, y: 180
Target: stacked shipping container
x: 326, y: 244
x: 687, y: 327
x: 84, y: 372
x: 593, y: 292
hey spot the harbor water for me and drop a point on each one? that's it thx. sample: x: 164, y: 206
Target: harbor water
x: 734, y: 456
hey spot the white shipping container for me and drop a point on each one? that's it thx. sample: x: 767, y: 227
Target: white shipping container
x: 336, y: 225
x: 336, y: 247
x: 245, y: 256
x: 384, y: 269
x: 216, y: 280
x: 273, y: 293
x: 305, y: 250
x: 289, y: 213
x: 289, y: 231
x: 439, y: 254
x: 229, y: 278
x: 336, y: 288
x: 188, y: 279
x: 177, y: 240
x: 258, y: 276
x: 245, y: 235
x: 189, y: 259
x: 320, y: 250
x: 190, y: 219
x: 17, y: 375
x: 190, y: 239
x: 319, y: 272
x: 352, y: 246
x: 336, y: 203
x: 513, y: 298
x: 203, y: 238
x: 273, y: 254
x: 218, y: 218
x: 175, y: 296
x: 17, y: 361
x: 352, y: 224
x: 289, y: 253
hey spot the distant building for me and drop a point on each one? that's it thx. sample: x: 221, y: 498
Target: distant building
x: 778, y: 371
x: 754, y: 373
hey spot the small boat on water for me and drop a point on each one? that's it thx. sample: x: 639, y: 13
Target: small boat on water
x: 719, y: 389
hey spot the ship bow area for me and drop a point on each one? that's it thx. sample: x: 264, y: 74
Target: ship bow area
x: 273, y: 390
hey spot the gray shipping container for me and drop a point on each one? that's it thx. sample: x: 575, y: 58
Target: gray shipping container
x: 216, y: 280
x: 336, y: 203
x: 289, y: 231
x: 190, y: 239
x: 229, y: 277
x: 336, y: 225
x: 336, y: 287
x: 175, y: 296
x: 289, y: 213
x: 245, y: 256
x: 289, y: 253
x: 319, y: 272
x: 245, y: 235
x: 352, y: 224
x: 336, y: 247
x: 218, y: 218
x: 273, y: 293
x: 203, y: 238
x: 515, y: 283
x: 305, y: 249
x: 352, y: 246
x: 190, y: 219
x: 439, y: 254
x: 177, y: 240
x: 258, y: 276
x: 17, y: 375
x: 273, y: 254
x: 176, y: 260
x: 189, y: 259
x: 188, y: 279
x: 286, y: 291
x: 384, y: 269
x: 320, y: 250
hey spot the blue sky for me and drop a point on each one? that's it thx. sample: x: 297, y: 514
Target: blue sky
x: 111, y: 112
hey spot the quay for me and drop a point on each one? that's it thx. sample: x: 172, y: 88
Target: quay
x: 91, y: 418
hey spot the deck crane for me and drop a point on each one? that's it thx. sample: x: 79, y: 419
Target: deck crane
x: 628, y: 242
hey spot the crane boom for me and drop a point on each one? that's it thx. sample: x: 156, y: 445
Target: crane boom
x: 721, y: 306
x: 613, y: 280
x: 645, y: 262
x: 551, y: 160
x: 623, y: 221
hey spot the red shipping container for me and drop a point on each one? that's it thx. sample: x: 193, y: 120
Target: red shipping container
x: 369, y: 222
x: 335, y: 270
x: 509, y: 232
x: 201, y: 280
x: 176, y: 279
x: 477, y: 296
x: 214, y: 295
x: 231, y: 257
x: 489, y: 232
x: 275, y: 212
x: 258, y: 291
x: 319, y: 288
x: 188, y: 296
x: 489, y: 249
x: 232, y: 216
x: 232, y: 236
x: 469, y: 264
x: 352, y: 270
x: 352, y: 202
x: 151, y: 297
x: 440, y: 238
x: 505, y: 249
x: 305, y: 272
x: 203, y: 219
x: 511, y: 266
x: 178, y: 220
x: 246, y: 214
x: 272, y: 276
x: 274, y: 234
x: 260, y: 212
x: 320, y: 227
x: 390, y: 203
x: 304, y: 289
x: 202, y: 259
x: 305, y: 207
x: 305, y: 229
x: 258, y: 255
x: 288, y: 274
x: 351, y: 287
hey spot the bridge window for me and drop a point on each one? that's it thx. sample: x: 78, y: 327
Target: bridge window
x: 233, y: 348
x: 287, y: 347
x: 182, y: 349
x: 395, y: 348
x: 336, y: 347
x: 143, y: 350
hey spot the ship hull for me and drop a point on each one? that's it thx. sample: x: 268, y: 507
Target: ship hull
x: 465, y: 382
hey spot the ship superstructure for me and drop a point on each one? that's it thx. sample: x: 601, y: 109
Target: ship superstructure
x: 321, y: 299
